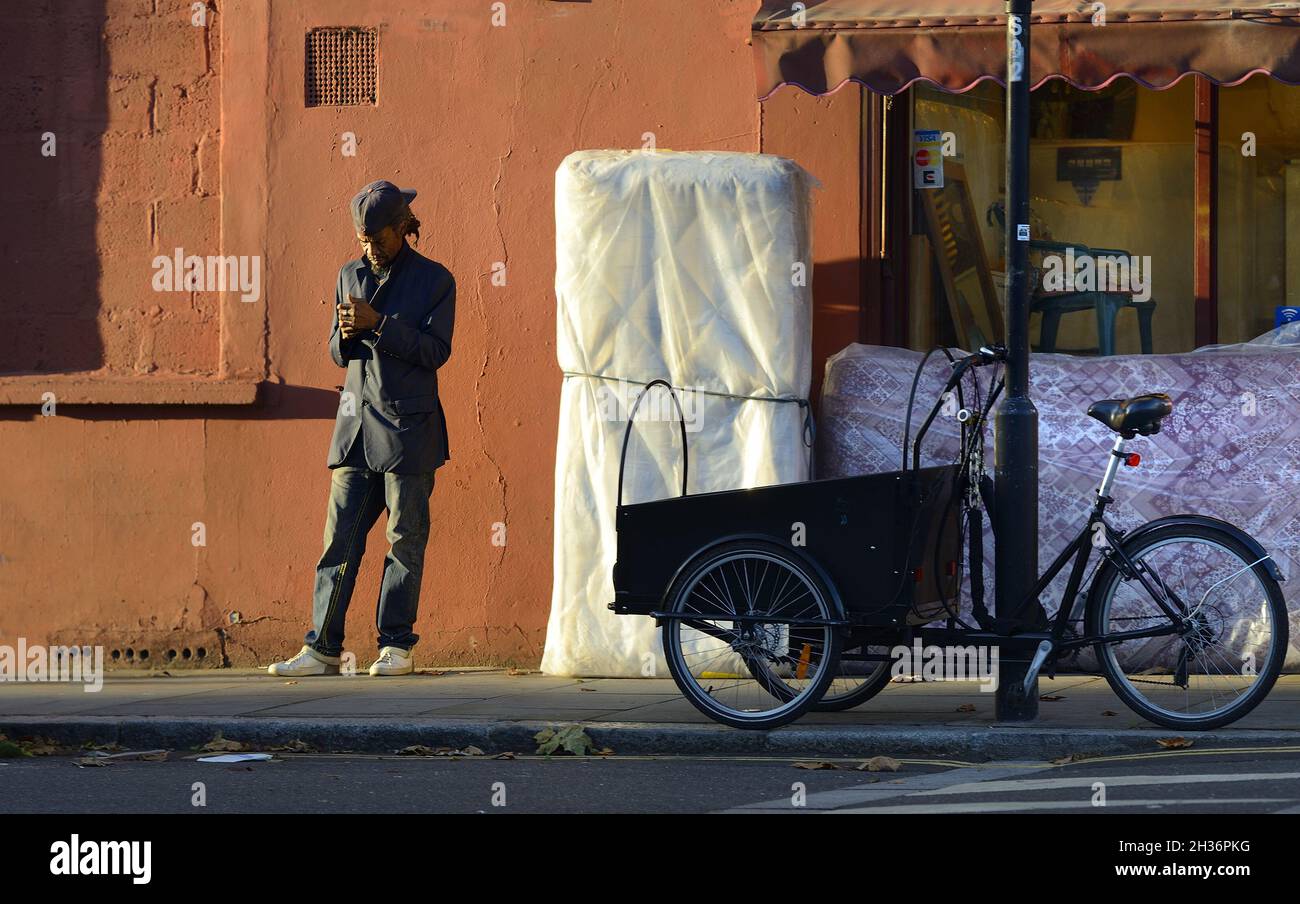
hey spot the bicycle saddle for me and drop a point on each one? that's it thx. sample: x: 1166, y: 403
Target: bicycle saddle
x: 1129, y: 417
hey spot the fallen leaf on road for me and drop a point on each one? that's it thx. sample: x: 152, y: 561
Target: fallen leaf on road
x: 38, y: 746
x: 1173, y: 743
x: 1109, y: 712
x: 815, y: 766
x: 292, y: 682
x: 424, y: 750
x: 1073, y: 758
x: 84, y: 761
x: 570, y: 738
x: 504, y: 756
x: 1050, y: 698
x: 148, y: 756
x: 294, y: 746
x: 218, y: 744
x: 882, y: 764
x: 966, y: 708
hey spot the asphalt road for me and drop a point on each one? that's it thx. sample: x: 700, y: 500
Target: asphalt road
x: 1185, y: 781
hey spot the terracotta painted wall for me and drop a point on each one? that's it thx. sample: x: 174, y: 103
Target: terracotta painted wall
x: 98, y: 504
x: 825, y: 135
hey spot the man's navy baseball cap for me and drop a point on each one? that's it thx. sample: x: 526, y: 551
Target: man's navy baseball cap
x: 378, y: 204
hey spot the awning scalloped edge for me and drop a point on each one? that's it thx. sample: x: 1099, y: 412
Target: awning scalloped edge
x: 1002, y: 82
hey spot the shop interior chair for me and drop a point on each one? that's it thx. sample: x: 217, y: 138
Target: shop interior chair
x: 1104, y: 304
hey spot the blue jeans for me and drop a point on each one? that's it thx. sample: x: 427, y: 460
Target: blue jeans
x: 357, y: 496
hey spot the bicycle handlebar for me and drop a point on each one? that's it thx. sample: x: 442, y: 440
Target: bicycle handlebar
x: 986, y: 355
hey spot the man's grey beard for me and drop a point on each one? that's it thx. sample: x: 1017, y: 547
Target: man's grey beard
x: 380, y: 272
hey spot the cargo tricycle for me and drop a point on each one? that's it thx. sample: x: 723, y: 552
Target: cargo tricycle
x: 780, y: 599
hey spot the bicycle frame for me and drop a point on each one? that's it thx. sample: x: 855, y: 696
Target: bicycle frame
x: 1080, y: 550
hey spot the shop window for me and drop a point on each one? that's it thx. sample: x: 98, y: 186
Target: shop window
x: 1112, y: 219
x: 1259, y: 207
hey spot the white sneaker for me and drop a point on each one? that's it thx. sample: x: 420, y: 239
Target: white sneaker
x: 307, y: 662
x: 393, y: 661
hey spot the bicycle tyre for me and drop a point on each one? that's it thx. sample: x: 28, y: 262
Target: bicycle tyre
x: 1101, y: 595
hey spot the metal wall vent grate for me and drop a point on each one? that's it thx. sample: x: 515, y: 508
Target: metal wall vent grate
x: 342, y: 66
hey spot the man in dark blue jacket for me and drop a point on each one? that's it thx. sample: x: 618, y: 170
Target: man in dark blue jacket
x: 394, y: 314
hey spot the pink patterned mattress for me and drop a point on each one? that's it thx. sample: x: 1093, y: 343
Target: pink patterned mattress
x: 1229, y: 450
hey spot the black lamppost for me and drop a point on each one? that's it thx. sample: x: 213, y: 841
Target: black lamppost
x: 1016, y: 421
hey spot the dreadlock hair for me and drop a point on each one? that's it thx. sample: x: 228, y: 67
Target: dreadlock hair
x: 407, y: 224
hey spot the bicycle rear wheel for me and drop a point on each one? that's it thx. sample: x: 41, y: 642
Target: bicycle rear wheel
x: 1223, y: 654
x: 856, y: 682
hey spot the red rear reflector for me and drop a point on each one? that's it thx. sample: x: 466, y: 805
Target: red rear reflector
x: 1132, y: 459
x: 917, y: 575
x: 952, y: 568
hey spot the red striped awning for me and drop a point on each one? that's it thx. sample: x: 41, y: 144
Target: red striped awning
x: 887, y: 46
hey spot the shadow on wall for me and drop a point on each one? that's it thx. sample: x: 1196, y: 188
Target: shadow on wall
x: 54, y: 97
x: 837, y: 315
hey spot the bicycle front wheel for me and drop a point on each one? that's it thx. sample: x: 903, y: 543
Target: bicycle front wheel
x: 728, y: 659
x: 1219, y: 657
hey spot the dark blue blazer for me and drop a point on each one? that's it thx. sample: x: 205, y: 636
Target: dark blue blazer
x: 390, y: 398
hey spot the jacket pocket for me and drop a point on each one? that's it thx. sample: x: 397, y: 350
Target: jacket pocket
x: 417, y: 405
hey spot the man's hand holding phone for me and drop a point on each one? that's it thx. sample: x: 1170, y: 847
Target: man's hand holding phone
x: 356, y: 316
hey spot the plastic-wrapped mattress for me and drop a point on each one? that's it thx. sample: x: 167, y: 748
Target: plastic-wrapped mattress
x: 693, y: 268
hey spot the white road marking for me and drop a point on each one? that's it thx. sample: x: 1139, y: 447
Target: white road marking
x: 886, y: 788
x: 1012, y: 806
x: 1049, y: 784
x: 1005, y: 778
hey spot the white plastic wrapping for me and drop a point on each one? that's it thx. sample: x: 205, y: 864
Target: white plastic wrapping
x: 693, y: 268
